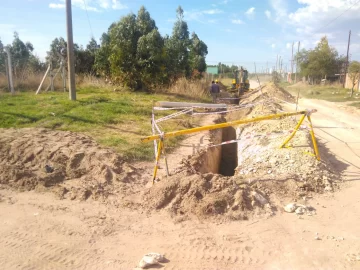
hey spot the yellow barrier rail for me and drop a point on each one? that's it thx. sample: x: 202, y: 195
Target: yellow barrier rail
x: 165, y: 135
x: 217, y: 126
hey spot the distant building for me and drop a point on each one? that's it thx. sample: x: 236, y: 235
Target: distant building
x: 212, y: 70
x: 349, y: 83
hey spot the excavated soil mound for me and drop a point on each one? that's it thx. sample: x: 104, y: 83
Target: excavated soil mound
x: 71, y: 164
x: 268, y: 92
x: 205, y: 195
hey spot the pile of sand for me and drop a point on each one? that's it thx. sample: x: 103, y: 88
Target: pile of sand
x: 69, y: 163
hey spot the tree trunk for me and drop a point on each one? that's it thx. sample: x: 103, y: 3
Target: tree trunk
x: 352, y: 91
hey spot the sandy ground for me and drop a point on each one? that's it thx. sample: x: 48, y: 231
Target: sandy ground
x: 39, y: 231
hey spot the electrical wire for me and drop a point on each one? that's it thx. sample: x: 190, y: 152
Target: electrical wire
x: 337, y: 16
x: 87, y: 14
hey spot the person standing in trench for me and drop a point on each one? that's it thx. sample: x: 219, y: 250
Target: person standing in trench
x: 215, y: 90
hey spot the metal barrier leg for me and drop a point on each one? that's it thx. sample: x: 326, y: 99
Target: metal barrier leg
x: 294, y: 132
x: 313, y: 139
x: 157, y: 160
x: 165, y: 159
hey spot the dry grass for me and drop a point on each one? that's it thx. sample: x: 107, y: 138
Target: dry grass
x: 31, y: 82
x: 198, y: 90
x: 331, y: 92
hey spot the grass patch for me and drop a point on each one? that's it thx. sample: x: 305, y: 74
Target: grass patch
x: 355, y: 104
x: 324, y: 92
x: 114, y: 119
x: 283, y: 84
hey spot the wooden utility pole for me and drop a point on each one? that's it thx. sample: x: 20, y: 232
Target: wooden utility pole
x: 267, y: 68
x: 297, y: 62
x: 347, y: 60
x: 11, y: 83
x: 292, y: 59
x: 63, y: 75
x: 70, y: 51
x: 7, y: 73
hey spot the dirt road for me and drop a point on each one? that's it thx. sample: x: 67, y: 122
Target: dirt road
x: 38, y: 231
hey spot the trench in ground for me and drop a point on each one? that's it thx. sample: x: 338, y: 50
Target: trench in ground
x: 220, y: 159
x: 228, y: 158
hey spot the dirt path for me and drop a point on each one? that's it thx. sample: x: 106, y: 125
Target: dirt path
x: 39, y: 231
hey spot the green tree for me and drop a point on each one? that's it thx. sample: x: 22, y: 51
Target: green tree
x: 24, y: 61
x: 134, y: 53
x: 85, y: 58
x: 150, y: 58
x: 197, y: 54
x: 2, y: 57
x: 57, y: 51
x: 20, y: 53
x: 177, y: 47
x: 144, y: 23
x: 354, y: 74
x: 322, y: 61
x: 92, y: 46
x: 123, y: 42
x: 102, y: 55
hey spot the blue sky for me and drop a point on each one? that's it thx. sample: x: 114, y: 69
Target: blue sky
x: 236, y: 31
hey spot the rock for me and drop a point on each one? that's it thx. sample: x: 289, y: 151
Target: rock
x: 151, y: 259
x: 317, y: 237
x: 328, y: 189
x: 290, y: 208
x: 300, y: 210
x: 259, y: 198
x: 48, y: 169
x: 269, y: 171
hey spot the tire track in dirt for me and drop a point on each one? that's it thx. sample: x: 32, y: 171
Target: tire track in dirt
x: 27, y: 251
x: 216, y: 255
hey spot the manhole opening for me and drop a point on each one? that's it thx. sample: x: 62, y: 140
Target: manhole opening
x: 229, y: 152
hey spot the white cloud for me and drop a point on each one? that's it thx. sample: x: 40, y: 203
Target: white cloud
x: 228, y: 30
x: 200, y: 15
x: 116, y: 4
x: 268, y: 14
x: 56, y: 5
x: 280, y: 9
x: 319, y: 14
x: 238, y: 21
x: 288, y: 45
x: 273, y: 45
x: 250, y: 12
x: 104, y: 3
x: 212, y: 21
x: 91, y: 5
x: 315, y: 19
x: 212, y: 11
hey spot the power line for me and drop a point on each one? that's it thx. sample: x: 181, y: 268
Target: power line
x: 87, y: 14
x: 337, y: 17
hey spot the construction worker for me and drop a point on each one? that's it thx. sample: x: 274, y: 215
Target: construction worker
x: 215, y: 90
